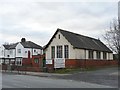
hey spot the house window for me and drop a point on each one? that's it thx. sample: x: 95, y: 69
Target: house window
x: 66, y: 51
x: 10, y: 51
x: 98, y: 55
x: 90, y: 55
x: 36, y: 60
x: 18, y: 62
x: 104, y: 55
x: 59, y: 36
x: 53, y: 52
x: 34, y: 50
x: 59, y: 51
x: 6, y: 61
x: 19, y: 50
x: 8, y: 55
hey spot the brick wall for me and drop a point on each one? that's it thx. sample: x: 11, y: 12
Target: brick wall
x: 77, y: 63
x: 73, y: 63
x: 50, y: 67
x: 31, y: 69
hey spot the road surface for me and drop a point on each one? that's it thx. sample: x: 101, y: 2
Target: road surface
x: 25, y: 81
x: 105, y: 76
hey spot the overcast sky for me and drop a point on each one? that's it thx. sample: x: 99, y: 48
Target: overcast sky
x: 37, y: 21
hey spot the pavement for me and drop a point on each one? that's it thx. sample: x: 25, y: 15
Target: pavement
x: 41, y: 74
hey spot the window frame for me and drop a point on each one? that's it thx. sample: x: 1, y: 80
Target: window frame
x: 98, y: 54
x: 66, y: 51
x: 36, y: 60
x: 59, y: 36
x: 18, y: 50
x: 52, y: 51
x: 105, y: 55
x: 18, y: 62
x: 59, y: 51
x: 90, y: 54
x: 11, y: 52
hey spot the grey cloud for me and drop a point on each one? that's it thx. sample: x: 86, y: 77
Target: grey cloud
x: 33, y: 19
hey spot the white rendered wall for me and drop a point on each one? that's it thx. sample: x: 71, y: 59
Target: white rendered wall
x: 62, y: 41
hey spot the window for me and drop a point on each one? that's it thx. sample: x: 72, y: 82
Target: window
x: 66, y: 51
x: 25, y: 51
x: 104, y: 55
x: 36, y: 60
x: 8, y: 55
x: 19, y: 50
x: 90, y: 54
x: 34, y: 50
x: 10, y: 51
x: 59, y: 51
x: 53, y: 52
x: 6, y: 61
x: 98, y: 55
x: 59, y: 36
x: 18, y: 62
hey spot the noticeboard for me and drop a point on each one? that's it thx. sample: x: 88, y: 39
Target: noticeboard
x: 59, y: 63
x: 49, y: 61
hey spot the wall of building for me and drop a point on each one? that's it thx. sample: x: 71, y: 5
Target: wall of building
x: 19, y: 46
x: 74, y: 63
x: 73, y: 53
x: 24, y: 51
x: 2, y: 51
x: 84, y: 54
x: 62, y: 41
x: 11, y: 53
x: 79, y: 54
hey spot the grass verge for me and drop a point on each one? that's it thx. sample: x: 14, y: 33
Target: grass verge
x: 75, y: 70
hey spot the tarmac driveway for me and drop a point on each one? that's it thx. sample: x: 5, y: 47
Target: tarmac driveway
x: 106, y: 76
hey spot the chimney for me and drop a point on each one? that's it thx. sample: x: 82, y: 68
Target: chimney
x: 23, y: 40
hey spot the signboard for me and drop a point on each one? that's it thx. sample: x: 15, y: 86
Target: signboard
x: 49, y: 61
x: 59, y: 63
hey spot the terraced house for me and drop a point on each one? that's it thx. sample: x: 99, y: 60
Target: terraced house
x: 19, y: 53
x: 77, y: 50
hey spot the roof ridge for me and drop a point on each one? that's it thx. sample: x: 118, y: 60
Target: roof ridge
x: 30, y: 44
x: 77, y: 34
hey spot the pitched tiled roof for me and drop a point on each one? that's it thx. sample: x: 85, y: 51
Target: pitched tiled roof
x: 29, y: 44
x: 13, y: 46
x: 81, y: 42
x: 26, y: 44
x: 6, y: 46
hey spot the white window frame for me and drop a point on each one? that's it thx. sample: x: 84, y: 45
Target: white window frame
x: 17, y: 62
x: 59, y: 51
x: 18, y: 50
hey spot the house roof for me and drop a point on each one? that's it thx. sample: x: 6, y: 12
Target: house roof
x: 26, y: 44
x: 29, y: 44
x: 6, y: 46
x: 81, y: 42
x: 12, y: 46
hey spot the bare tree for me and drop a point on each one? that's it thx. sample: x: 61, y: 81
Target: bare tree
x: 112, y: 37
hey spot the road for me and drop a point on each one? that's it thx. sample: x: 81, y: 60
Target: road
x: 25, y: 81
x: 105, y: 76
